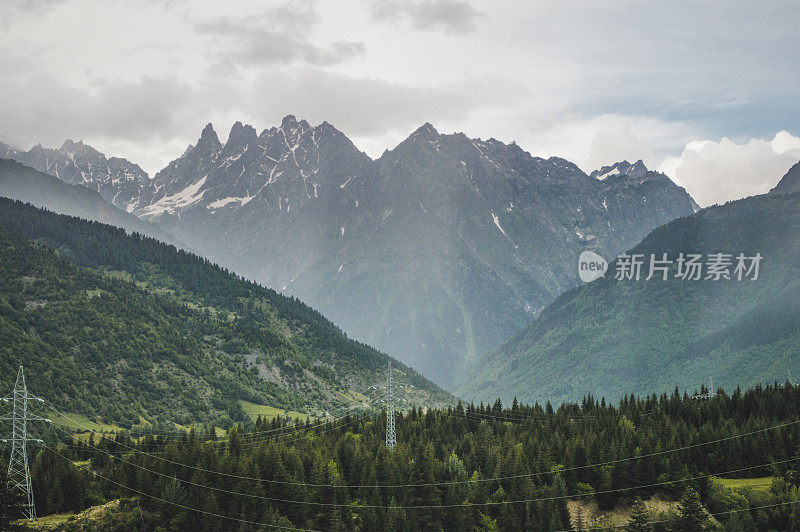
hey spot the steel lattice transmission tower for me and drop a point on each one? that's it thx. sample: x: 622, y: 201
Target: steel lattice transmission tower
x: 18, y: 472
x: 390, y: 385
x: 391, y: 434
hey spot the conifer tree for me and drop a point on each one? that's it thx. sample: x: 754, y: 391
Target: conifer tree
x: 640, y: 518
x: 692, y: 513
x: 11, y: 501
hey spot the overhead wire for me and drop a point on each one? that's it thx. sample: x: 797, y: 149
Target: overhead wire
x: 490, y: 479
x: 452, y: 505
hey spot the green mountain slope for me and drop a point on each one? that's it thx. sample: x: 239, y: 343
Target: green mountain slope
x: 616, y: 337
x: 126, y: 327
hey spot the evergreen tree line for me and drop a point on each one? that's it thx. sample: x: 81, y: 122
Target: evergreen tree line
x: 462, y: 468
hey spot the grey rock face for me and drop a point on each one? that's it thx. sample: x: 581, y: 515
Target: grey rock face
x: 435, y: 252
x: 636, y: 170
x: 118, y: 181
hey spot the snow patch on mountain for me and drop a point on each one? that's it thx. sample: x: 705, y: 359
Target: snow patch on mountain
x: 497, y: 223
x: 615, y: 171
x: 169, y: 204
x: 226, y: 201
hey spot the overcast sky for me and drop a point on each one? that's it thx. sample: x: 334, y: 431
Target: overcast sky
x: 706, y: 91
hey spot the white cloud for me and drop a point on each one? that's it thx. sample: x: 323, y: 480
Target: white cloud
x: 720, y: 171
x: 616, y: 142
x: 595, y: 141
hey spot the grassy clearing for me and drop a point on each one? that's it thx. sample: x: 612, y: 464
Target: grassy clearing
x: 619, y: 516
x: 268, y: 412
x: 48, y: 522
x: 113, y: 515
x: 353, y: 396
x: 759, y: 484
x: 76, y: 422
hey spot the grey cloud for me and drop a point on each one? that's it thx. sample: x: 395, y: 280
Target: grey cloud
x: 15, y: 10
x: 47, y: 110
x: 154, y: 111
x: 366, y: 106
x: 452, y: 16
x: 279, y: 40
x: 298, y: 15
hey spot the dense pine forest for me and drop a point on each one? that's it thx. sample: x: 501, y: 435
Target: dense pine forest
x: 672, y: 462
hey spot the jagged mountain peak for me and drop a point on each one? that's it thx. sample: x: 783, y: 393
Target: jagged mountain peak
x: 292, y: 129
x: 636, y: 170
x: 424, y: 137
x: 208, y: 130
x: 241, y: 134
x: 122, y: 161
x: 564, y: 163
x: 209, y: 138
x: 117, y: 180
x: 72, y: 144
x: 426, y: 131
x: 325, y: 128
x: 289, y: 123
x: 206, y: 145
x: 73, y: 149
x: 301, y: 207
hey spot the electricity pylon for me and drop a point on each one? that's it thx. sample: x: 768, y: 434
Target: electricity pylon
x: 389, y: 399
x: 391, y: 435
x: 710, y: 393
x: 19, y: 473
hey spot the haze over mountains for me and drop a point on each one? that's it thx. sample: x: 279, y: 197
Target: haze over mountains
x: 130, y: 328
x: 118, y: 180
x: 613, y: 337
x: 23, y: 183
x: 435, y: 252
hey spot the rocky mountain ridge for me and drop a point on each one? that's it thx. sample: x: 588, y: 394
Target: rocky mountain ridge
x: 435, y: 252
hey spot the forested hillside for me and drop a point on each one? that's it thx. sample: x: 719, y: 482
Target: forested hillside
x: 130, y: 329
x: 613, y: 337
x: 476, y: 468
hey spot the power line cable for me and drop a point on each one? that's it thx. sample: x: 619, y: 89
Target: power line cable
x: 190, y: 508
x: 453, y: 505
x: 510, y: 477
